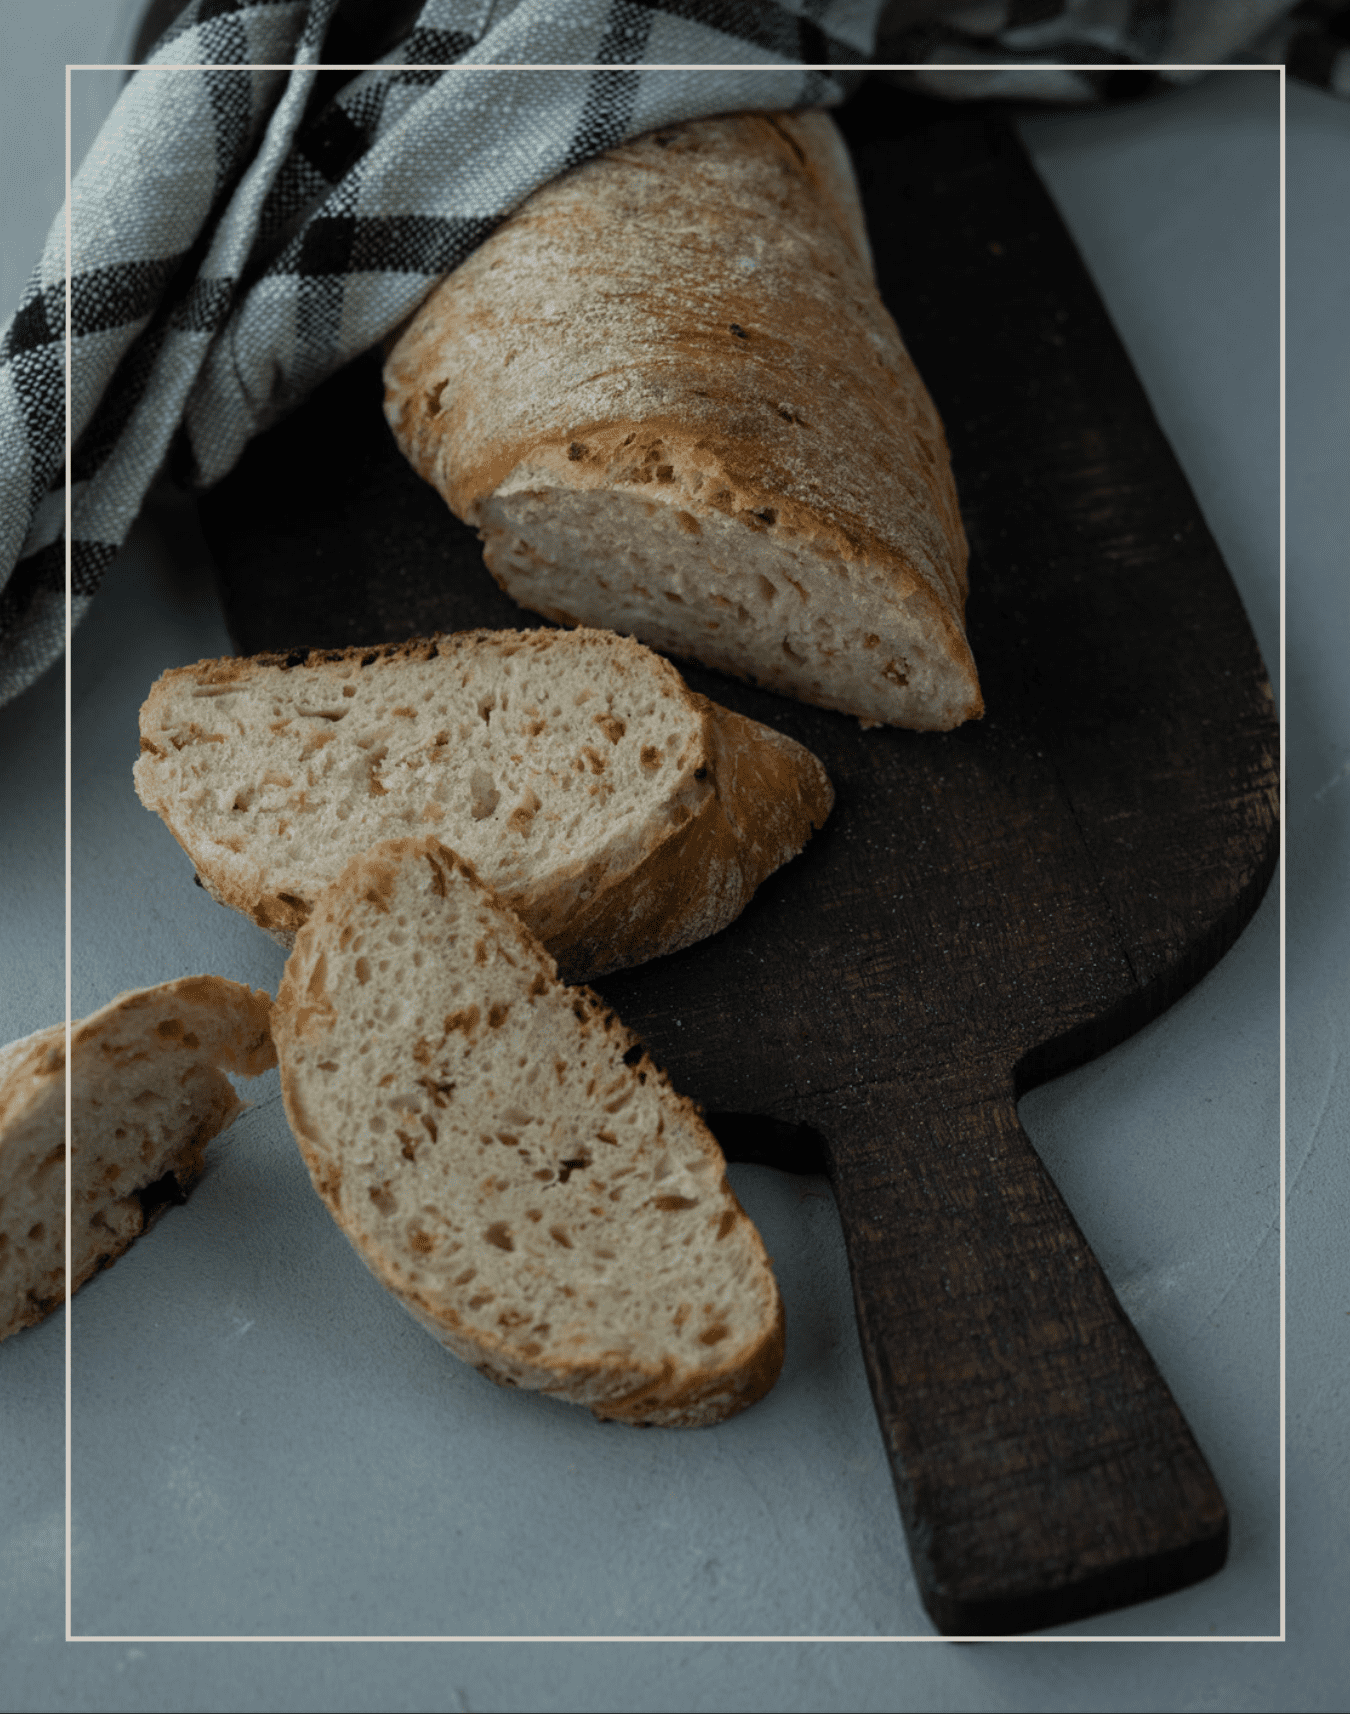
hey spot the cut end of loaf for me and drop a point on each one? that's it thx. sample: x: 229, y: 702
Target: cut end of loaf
x: 670, y: 396
x: 507, y: 1160
x: 760, y: 591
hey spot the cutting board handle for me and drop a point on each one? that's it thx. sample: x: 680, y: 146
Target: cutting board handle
x: 1044, y: 1470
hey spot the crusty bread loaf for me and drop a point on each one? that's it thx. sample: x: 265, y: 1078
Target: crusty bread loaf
x: 148, y: 1093
x: 507, y: 1161
x: 667, y: 393
x: 620, y: 814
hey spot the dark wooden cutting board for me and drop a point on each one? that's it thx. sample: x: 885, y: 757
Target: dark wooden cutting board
x: 984, y: 909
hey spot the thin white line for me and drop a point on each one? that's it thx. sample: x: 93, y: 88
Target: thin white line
x: 694, y: 1637
x: 66, y: 758
x: 382, y: 65
x: 734, y: 65
x: 1284, y: 677
x: 561, y: 65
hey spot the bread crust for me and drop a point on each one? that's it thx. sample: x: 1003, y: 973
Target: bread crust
x: 693, y: 879
x: 689, y: 326
x: 162, y: 1051
x: 311, y: 1017
x: 740, y: 801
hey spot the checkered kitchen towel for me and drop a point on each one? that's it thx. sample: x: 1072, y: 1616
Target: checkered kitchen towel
x: 989, y: 48
x: 238, y: 233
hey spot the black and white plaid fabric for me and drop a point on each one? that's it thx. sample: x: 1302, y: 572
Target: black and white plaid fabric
x: 996, y: 49
x: 239, y: 231
x: 231, y: 245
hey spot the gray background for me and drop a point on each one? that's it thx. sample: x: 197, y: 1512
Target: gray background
x: 263, y: 1443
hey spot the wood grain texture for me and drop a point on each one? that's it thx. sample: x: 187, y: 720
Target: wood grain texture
x: 985, y: 908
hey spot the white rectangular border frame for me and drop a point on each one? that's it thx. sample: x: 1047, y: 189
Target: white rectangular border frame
x: 71, y: 1636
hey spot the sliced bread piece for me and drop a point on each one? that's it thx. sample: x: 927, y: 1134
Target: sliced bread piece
x: 507, y: 1161
x: 667, y: 393
x: 148, y: 1093
x: 621, y: 815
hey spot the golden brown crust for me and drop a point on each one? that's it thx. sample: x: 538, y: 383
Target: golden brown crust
x: 768, y: 796
x: 739, y: 806
x: 709, y: 1399
x: 168, y: 1046
x: 661, y: 1398
x: 308, y: 1029
x: 691, y: 321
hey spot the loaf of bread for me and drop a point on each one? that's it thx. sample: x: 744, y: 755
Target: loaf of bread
x: 148, y: 1093
x: 668, y: 395
x: 506, y: 1159
x: 618, y: 813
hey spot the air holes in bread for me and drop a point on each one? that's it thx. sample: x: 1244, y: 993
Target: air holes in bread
x: 483, y: 794
x: 523, y: 768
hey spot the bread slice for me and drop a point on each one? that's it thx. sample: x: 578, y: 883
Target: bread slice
x: 505, y: 1158
x: 667, y: 393
x: 620, y: 814
x: 148, y: 1093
